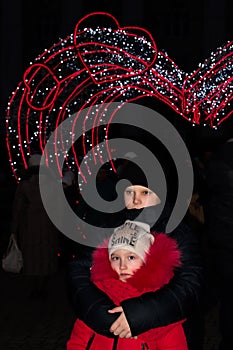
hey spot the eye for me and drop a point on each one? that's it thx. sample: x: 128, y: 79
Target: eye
x: 128, y: 192
x: 147, y: 193
x: 131, y: 257
x: 114, y: 258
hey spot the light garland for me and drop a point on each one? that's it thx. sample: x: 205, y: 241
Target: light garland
x: 93, y: 66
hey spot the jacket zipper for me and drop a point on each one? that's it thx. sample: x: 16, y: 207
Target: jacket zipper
x: 90, y: 341
x: 114, y: 347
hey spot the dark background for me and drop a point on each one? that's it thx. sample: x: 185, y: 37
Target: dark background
x: 187, y: 30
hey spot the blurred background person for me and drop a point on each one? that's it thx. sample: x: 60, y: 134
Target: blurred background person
x: 219, y: 231
x: 36, y: 235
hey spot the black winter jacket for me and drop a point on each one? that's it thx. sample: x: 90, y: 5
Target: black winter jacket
x: 174, y: 302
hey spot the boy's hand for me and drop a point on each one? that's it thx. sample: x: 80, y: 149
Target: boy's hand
x: 120, y: 327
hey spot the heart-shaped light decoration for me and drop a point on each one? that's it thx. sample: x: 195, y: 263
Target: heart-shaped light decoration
x: 97, y: 65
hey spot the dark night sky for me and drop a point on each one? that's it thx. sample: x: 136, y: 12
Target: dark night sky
x: 188, y: 31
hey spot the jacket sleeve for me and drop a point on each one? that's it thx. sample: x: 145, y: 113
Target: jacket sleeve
x: 179, y: 298
x: 90, y: 303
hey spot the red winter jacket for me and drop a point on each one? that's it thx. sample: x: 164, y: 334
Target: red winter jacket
x: 161, y: 260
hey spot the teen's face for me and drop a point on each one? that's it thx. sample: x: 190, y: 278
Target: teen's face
x: 125, y: 263
x: 137, y: 197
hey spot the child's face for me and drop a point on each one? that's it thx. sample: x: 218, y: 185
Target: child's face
x: 137, y: 197
x: 125, y: 263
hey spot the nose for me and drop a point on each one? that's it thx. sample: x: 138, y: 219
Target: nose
x: 136, y: 198
x: 123, y: 264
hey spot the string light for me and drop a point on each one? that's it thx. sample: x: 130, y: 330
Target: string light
x: 98, y: 65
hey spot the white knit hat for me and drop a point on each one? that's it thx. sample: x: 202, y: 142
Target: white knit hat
x: 133, y: 236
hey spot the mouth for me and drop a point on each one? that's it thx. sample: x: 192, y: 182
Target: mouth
x: 124, y: 276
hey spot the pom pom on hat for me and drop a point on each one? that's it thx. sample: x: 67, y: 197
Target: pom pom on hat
x: 133, y: 236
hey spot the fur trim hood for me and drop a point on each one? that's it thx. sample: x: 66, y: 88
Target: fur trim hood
x: 161, y: 260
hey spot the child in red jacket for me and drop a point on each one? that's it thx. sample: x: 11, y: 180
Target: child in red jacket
x: 133, y: 261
